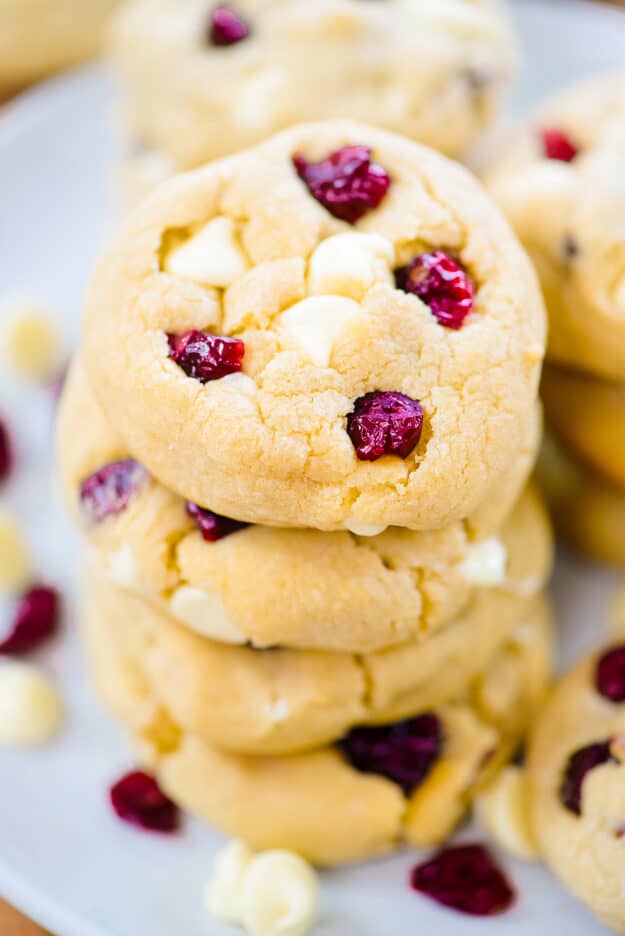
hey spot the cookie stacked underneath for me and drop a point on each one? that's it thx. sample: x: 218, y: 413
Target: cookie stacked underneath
x: 561, y: 184
x: 297, y: 439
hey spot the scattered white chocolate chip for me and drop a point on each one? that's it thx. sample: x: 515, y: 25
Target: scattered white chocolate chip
x: 121, y: 566
x: 205, y: 614
x: 223, y: 892
x: 503, y: 811
x: 359, y: 528
x: 348, y: 264
x: 273, y: 893
x: 211, y: 256
x: 31, y: 339
x: 258, y: 103
x: 242, y: 382
x: 30, y: 707
x: 15, y: 564
x: 485, y: 563
x: 313, y: 325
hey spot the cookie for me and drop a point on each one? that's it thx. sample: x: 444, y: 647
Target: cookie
x: 358, y: 798
x: 295, y: 588
x: 558, y: 179
x: 588, y: 416
x: 587, y: 511
x: 201, y: 82
x: 577, y: 788
x: 280, y: 701
x: 39, y: 37
x: 320, y: 344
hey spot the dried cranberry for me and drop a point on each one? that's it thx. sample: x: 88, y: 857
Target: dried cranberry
x: 36, y: 619
x: 138, y: 799
x: 226, y: 27
x: 557, y: 145
x: 464, y: 878
x: 580, y: 763
x: 442, y: 284
x: 6, y: 452
x: 348, y: 183
x: 404, y: 752
x: 206, y: 357
x: 610, y: 674
x: 108, y: 492
x: 212, y: 526
x: 385, y: 423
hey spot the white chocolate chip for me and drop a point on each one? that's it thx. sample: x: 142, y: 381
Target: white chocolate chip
x: 503, y: 811
x: 31, y: 339
x: 313, y: 325
x: 205, y: 614
x: 223, y: 892
x: 359, y: 528
x: 485, y: 564
x: 121, y: 567
x: 242, y: 382
x: 30, y: 707
x: 349, y: 264
x: 257, y: 105
x: 279, y: 895
x: 15, y: 564
x: 211, y: 256
x: 278, y: 710
x: 459, y: 18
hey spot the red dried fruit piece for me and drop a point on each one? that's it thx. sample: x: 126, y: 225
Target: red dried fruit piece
x: 557, y: 145
x: 385, y: 423
x: 348, y: 183
x: 138, y: 799
x: 213, y: 526
x: 6, y: 452
x: 442, y: 284
x: 226, y: 27
x: 206, y: 357
x: 404, y: 752
x: 580, y: 763
x: 108, y: 492
x: 610, y: 674
x: 464, y: 878
x: 35, y: 620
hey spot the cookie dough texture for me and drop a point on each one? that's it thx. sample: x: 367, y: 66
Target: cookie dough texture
x: 39, y: 37
x: 433, y: 70
x: 281, y: 701
x: 569, y: 216
x: 585, y: 851
x: 299, y: 588
x: 315, y: 803
x: 270, y: 446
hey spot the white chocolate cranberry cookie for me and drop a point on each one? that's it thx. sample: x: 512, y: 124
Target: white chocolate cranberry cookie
x: 587, y: 511
x: 335, y: 329
x: 39, y: 37
x: 588, y: 416
x: 295, y: 588
x: 408, y: 781
x: 280, y: 701
x: 203, y: 80
x: 559, y: 180
x: 577, y: 783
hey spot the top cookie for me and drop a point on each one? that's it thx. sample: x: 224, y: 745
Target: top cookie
x: 335, y: 329
x: 559, y: 178
x: 203, y: 80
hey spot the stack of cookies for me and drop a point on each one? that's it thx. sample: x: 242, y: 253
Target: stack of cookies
x: 297, y: 439
x: 560, y: 181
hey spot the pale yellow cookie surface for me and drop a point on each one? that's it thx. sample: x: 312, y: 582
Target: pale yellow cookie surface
x: 271, y: 445
x: 300, y: 588
x: 316, y: 803
x: 433, y: 70
x: 585, y: 850
x: 569, y: 216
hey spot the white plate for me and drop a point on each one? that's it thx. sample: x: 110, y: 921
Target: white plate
x: 64, y: 858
